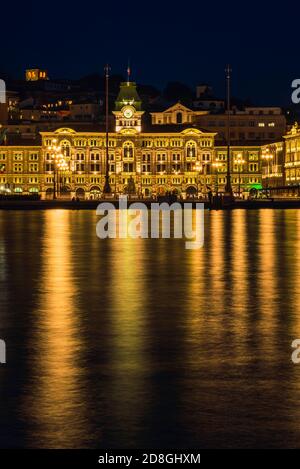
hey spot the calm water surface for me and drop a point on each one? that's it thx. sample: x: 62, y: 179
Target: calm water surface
x: 142, y: 343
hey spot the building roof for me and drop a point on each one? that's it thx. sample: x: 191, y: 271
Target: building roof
x: 172, y: 128
x: 21, y: 140
x: 128, y: 94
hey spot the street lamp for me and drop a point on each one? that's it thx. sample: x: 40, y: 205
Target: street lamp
x: 217, y: 165
x: 62, y: 166
x: 56, y: 156
x: 239, y: 161
x: 267, y: 156
x: 198, y: 168
x: 106, y: 188
x: 204, y: 167
x: 140, y: 185
x: 116, y: 178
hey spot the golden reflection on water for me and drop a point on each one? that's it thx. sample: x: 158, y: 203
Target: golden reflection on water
x: 58, y: 408
x: 195, y: 343
x: 267, y: 282
x: 215, y: 275
x: 240, y: 291
x: 128, y: 295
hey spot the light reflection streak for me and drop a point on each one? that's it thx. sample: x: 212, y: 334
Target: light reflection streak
x: 54, y: 399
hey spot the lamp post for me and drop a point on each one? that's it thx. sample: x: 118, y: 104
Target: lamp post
x: 217, y: 165
x: 267, y: 156
x: 116, y: 179
x: 175, y: 172
x: 198, y: 167
x: 56, y: 156
x: 62, y: 166
x: 107, y: 188
x: 204, y: 168
x: 140, y: 185
x: 239, y: 161
x: 228, y: 187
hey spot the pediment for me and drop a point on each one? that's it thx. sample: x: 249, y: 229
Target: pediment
x: 65, y: 130
x: 178, y: 107
x: 192, y: 131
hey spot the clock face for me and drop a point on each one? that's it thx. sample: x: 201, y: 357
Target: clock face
x: 128, y: 112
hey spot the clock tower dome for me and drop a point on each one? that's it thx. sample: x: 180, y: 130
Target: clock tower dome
x: 128, y: 111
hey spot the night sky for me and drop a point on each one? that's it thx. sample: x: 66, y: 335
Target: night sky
x: 189, y: 42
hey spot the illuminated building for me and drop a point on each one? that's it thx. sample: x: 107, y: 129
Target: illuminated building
x: 253, y: 125
x: 148, y: 159
x: 272, y: 156
x: 36, y: 74
x: 292, y: 156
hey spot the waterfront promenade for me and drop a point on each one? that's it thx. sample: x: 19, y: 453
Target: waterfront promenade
x: 92, y: 204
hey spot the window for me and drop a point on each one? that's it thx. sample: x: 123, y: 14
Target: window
x: 205, y: 157
x: 49, y: 167
x: 80, y: 156
x: 33, y: 156
x: 146, y: 168
x: 146, y: 157
x: 128, y: 167
x: 95, y: 157
x: 191, y: 150
x: 205, y: 143
x: 95, y: 167
x: 80, y: 167
x: 160, y: 168
x: 176, y: 157
x: 161, y: 157
x: 18, y: 156
x: 176, y: 168
x: 175, y: 143
x: 128, y: 150
x: 80, y: 143
x: 18, y: 167
x: 179, y: 118
x: 33, y: 167
x: 253, y: 167
x: 94, y: 143
x: 221, y: 157
x: 65, y: 147
x: 253, y: 156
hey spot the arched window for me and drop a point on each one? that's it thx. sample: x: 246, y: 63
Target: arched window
x: 128, y: 150
x: 191, y: 150
x: 65, y: 147
x: 179, y: 118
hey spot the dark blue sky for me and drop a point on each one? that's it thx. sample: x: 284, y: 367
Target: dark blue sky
x: 167, y: 41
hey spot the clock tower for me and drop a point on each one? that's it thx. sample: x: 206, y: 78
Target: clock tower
x: 128, y: 111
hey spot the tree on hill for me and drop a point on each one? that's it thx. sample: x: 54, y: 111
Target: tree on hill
x: 176, y: 91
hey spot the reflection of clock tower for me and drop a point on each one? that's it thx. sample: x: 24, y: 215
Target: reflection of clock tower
x: 128, y: 109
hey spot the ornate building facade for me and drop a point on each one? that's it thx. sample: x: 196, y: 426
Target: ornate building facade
x: 292, y: 156
x: 144, y: 158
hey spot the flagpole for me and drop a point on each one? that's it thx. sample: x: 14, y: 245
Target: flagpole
x: 228, y: 187
x: 107, y: 188
x: 128, y: 72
